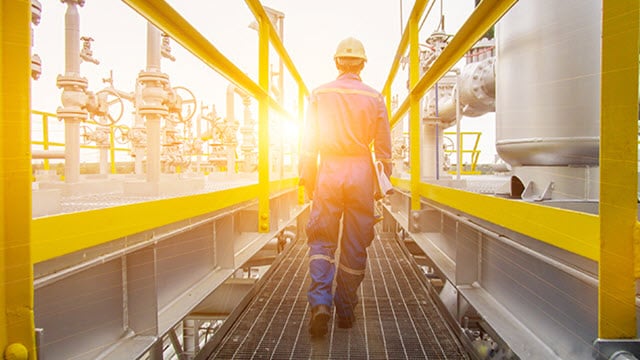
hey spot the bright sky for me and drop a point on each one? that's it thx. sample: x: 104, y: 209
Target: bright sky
x: 312, y: 29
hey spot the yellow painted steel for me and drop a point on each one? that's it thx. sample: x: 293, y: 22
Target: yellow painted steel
x: 112, y: 148
x: 474, y: 152
x: 414, y: 114
x: 45, y: 133
x: 485, y: 15
x: 17, y: 332
x: 636, y: 250
x: 162, y: 15
x: 264, y: 167
x: 259, y: 13
x: 416, y: 14
x: 301, y: 107
x: 618, y: 168
x: 570, y: 230
x: 54, y: 236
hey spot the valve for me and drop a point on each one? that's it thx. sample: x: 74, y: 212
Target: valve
x: 86, y: 53
x: 36, y: 66
x: 107, y: 108
x: 36, y: 12
x: 86, y: 134
x: 165, y: 49
x: 179, y: 97
x: 121, y: 134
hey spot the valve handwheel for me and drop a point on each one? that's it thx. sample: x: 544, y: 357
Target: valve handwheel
x: 184, y: 97
x: 110, y: 107
x: 121, y: 134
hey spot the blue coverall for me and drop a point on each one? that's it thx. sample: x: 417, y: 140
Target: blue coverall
x: 344, y: 118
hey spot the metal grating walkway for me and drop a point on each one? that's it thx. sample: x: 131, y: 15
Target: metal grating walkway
x: 396, y: 318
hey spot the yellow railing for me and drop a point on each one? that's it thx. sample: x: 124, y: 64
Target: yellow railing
x: 172, y: 23
x: 17, y: 340
x: 473, y: 152
x: 608, y: 237
x: 47, y: 144
x: 24, y: 241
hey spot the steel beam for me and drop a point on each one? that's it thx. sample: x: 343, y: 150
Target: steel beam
x: 17, y: 332
x: 618, y: 169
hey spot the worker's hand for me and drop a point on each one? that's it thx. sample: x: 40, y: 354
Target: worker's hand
x: 388, y: 168
x: 308, y: 173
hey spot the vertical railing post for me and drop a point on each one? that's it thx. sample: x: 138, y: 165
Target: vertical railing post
x: 112, y: 148
x: 618, y: 170
x: 45, y: 138
x: 301, y: 115
x: 263, y: 126
x: 17, y: 332
x: 414, y: 112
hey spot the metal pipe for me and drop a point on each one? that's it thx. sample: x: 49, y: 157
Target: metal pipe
x: 622, y: 355
x: 47, y: 154
x: 72, y: 150
x: 153, y: 48
x: 153, y: 148
x: 72, y: 39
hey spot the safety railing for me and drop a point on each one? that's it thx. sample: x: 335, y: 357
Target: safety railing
x: 171, y: 22
x: 46, y: 144
x: 26, y: 241
x: 460, y: 150
x: 606, y: 238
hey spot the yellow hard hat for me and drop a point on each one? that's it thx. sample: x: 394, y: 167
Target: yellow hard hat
x: 350, y: 47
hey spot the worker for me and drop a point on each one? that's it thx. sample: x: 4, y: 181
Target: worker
x: 345, y: 118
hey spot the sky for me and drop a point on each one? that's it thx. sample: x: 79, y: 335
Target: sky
x: 312, y: 29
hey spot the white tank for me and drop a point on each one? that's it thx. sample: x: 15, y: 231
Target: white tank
x: 548, y: 83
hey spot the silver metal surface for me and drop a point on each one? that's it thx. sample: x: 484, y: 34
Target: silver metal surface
x: 548, y: 83
x: 395, y: 319
x: 539, y: 300
x: 116, y: 301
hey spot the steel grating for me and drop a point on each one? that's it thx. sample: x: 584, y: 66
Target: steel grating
x: 396, y: 317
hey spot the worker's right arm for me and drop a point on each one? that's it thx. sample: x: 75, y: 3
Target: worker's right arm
x: 382, y: 141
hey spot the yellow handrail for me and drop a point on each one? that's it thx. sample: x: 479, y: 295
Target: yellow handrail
x: 475, y: 153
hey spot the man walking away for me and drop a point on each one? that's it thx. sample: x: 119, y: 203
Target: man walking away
x: 345, y: 117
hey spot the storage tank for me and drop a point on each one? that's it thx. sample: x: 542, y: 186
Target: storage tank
x: 548, y: 83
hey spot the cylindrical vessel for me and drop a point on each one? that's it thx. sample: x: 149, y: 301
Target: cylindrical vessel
x: 548, y: 83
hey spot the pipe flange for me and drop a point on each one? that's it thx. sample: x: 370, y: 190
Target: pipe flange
x: 70, y: 113
x: 63, y: 81
x: 158, y: 110
x: 152, y: 76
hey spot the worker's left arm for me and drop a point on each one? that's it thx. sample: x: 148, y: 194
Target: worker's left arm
x: 308, y: 165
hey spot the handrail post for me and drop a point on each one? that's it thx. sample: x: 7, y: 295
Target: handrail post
x: 618, y: 169
x: 414, y: 113
x: 17, y: 330
x: 301, y: 94
x: 45, y: 138
x: 263, y: 126
x: 112, y: 148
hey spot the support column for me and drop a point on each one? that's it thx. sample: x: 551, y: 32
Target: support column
x: 414, y: 114
x: 618, y: 169
x: 264, y: 168
x: 17, y: 332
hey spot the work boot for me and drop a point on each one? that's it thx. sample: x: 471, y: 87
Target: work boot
x: 320, y: 316
x: 346, y: 322
x: 346, y: 316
